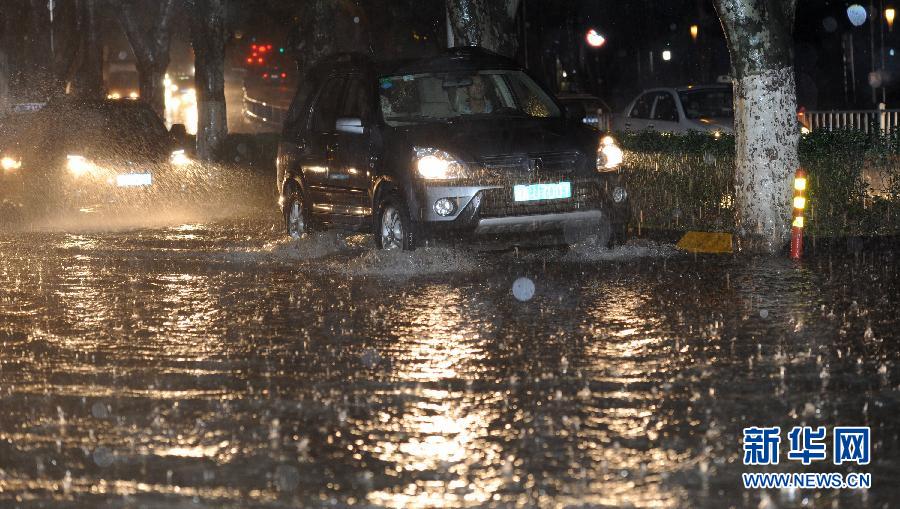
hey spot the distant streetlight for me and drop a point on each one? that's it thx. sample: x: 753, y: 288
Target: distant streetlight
x: 666, y: 55
x: 857, y: 14
x: 889, y: 15
x: 695, y: 31
x: 594, y: 39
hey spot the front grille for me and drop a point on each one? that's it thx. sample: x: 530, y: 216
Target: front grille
x: 529, y: 168
x: 499, y: 202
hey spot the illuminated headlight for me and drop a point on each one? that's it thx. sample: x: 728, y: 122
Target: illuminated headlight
x: 804, y: 130
x: 78, y: 165
x: 179, y: 158
x: 433, y: 164
x: 133, y: 95
x: 114, y: 95
x: 609, y: 155
x: 717, y: 134
x: 10, y: 163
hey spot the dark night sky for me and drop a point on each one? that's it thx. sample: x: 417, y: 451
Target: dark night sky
x: 635, y: 28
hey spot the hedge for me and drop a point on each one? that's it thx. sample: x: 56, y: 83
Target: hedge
x: 686, y: 182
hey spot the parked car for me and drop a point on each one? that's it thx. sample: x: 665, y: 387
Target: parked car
x: 464, y: 144
x: 596, y: 112
x: 679, y: 110
x: 85, y: 154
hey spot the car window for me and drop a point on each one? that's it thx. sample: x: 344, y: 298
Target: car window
x: 430, y: 97
x: 665, y: 109
x: 358, y: 103
x: 299, y: 107
x: 710, y: 102
x: 325, y: 111
x: 642, y: 106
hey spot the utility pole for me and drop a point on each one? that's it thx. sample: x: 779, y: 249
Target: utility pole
x: 881, y: 29
x: 50, y: 6
x: 872, y: 50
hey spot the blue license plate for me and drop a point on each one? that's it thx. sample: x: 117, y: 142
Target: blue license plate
x: 134, y: 180
x: 538, y: 192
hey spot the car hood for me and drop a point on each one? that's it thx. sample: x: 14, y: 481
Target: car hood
x: 472, y: 140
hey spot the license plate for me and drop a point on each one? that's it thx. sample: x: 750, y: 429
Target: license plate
x: 134, y: 180
x: 536, y: 192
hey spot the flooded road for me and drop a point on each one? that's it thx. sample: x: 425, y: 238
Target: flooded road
x: 212, y: 363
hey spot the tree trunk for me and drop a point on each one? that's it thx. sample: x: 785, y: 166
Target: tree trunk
x: 208, y: 36
x: 150, y: 43
x: 87, y: 69
x: 490, y: 24
x: 4, y: 84
x: 759, y: 34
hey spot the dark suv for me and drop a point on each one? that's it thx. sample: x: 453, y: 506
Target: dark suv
x: 463, y: 144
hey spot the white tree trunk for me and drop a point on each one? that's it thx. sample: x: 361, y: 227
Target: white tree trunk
x: 486, y: 23
x: 766, y: 158
x: 760, y: 42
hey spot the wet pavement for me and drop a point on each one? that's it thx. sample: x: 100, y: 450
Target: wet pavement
x: 208, y: 362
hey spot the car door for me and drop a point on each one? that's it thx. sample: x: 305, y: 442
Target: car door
x: 321, y: 145
x: 638, y: 117
x: 350, y: 176
x: 665, y: 114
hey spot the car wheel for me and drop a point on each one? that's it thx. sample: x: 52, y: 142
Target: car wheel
x: 393, y: 226
x: 296, y: 217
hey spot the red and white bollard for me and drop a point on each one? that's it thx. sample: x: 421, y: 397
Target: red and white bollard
x: 799, y: 205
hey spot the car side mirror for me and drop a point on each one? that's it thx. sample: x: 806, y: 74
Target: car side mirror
x: 575, y: 112
x: 350, y: 125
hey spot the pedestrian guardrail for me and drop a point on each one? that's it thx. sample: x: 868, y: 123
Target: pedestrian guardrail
x: 868, y: 121
x: 263, y: 112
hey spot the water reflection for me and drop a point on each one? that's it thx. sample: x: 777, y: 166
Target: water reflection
x: 151, y: 365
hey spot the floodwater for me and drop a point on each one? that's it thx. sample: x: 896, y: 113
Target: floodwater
x: 209, y: 362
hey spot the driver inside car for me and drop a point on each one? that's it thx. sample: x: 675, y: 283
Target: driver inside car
x: 475, y: 99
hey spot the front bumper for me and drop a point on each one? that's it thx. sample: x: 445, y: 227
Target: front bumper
x: 491, y: 210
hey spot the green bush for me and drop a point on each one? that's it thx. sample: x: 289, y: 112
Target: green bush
x: 686, y: 182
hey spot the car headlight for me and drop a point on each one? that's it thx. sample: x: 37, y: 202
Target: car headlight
x: 179, y: 158
x: 78, y: 165
x: 609, y: 155
x: 114, y: 95
x: 10, y: 163
x: 434, y: 164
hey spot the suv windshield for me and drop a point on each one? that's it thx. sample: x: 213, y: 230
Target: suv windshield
x: 710, y: 102
x: 441, y: 96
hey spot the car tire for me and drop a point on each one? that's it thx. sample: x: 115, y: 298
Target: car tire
x: 296, y: 216
x: 393, y: 228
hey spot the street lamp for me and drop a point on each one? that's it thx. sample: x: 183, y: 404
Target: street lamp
x: 695, y: 31
x: 889, y: 15
x: 594, y: 39
x: 857, y: 14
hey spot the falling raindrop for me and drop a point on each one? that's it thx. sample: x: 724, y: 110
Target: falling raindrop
x: 287, y: 478
x: 523, y: 289
x: 103, y: 457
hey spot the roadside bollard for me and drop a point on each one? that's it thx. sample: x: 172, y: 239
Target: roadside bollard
x: 799, y: 205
